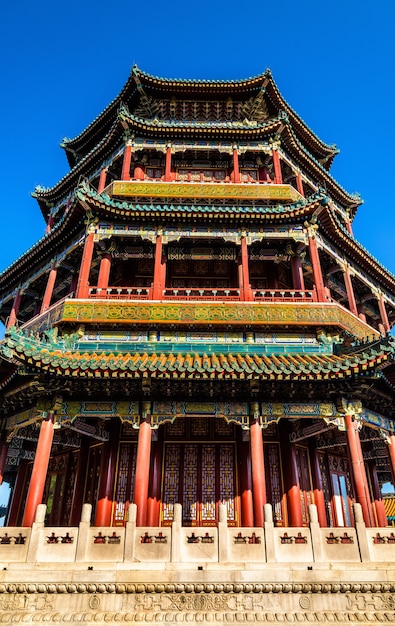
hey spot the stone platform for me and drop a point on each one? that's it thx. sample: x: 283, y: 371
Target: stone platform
x: 224, y: 575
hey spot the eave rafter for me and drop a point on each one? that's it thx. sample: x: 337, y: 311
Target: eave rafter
x: 53, y: 358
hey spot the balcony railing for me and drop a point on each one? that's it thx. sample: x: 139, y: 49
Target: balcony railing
x: 120, y: 293
x: 284, y: 295
x: 201, y: 294
x: 196, y: 294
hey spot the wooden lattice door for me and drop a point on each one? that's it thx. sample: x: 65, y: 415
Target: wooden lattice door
x: 200, y: 476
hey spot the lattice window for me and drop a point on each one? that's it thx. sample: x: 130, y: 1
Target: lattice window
x: 208, y: 497
x: 190, y: 486
x: 302, y: 458
x: 325, y: 480
x: 171, y: 482
x: 227, y: 479
x: 274, y: 482
x: 124, y: 492
x: 93, y: 475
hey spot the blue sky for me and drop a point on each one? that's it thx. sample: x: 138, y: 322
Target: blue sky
x: 61, y: 64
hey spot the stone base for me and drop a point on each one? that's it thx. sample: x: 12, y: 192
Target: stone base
x: 114, y: 594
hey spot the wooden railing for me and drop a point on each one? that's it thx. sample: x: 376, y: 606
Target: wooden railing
x: 284, y: 295
x: 197, y: 293
x: 120, y: 293
x: 201, y: 294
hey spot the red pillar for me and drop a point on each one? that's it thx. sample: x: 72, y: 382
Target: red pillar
x: 349, y: 226
x: 168, y: 164
x: 350, y: 291
x: 158, y: 271
x: 358, y: 469
x: 391, y: 456
x: 18, y: 493
x: 291, y: 476
x: 297, y: 272
x: 247, y: 506
x: 49, y: 225
x: 236, y: 169
x: 40, y: 467
x: 246, y: 289
x: 49, y: 290
x: 14, y: 310
x: 383, y: 313
x: 258, y: 471
x: 278, y: 176
x: 85, y: 268
x: 299, y: 183
x: 107, y: 478
x: 319, y: 499
x: 378, y: 504
x: 104, y: 271
x: 317, y: 272
x: 127, y: 157
x: 102, y: 180
x: 142, y: 470
x: 3, y: 458
x: 153, y: 506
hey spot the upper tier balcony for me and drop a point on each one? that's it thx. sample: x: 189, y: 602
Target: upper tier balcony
x: 273, y: 308
x: 203, y: 190
x: 203, y: 294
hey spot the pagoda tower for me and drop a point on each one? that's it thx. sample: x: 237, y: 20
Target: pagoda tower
x: 198, y: 338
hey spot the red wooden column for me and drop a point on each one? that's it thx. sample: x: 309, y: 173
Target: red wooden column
x: 127, y: 158
x: 278, y: 176
x: 3, y: 457
x: 15, y: 309
x: 49, y: 289
x: 247, y: 505
x: 297, y: 272
x: 319, y: 499
x: 141, y: 481
x: 153, y: 506
x: 378, y: 504
x: 316, y: 265
x: 350, y: 290
x: 168, y: 164
x: 299, y: 183
x: 18, y: 493
x: 157, y: 287
x: 107, y: 478
x: 40, y: 467
x: 246, y: 292
x: 85, y: 268
x: 257, y: 470
x: 49, y: 225
x: 391, y: 456
x: 291, y: 476
x: 102, y: 180
x: 383, y: 313
x: 349, y: 224
x: 358, y: 469
x: 104, y: 271
x: 236, y: 168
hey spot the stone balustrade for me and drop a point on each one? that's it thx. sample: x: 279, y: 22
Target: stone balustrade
x: 180, y: 544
